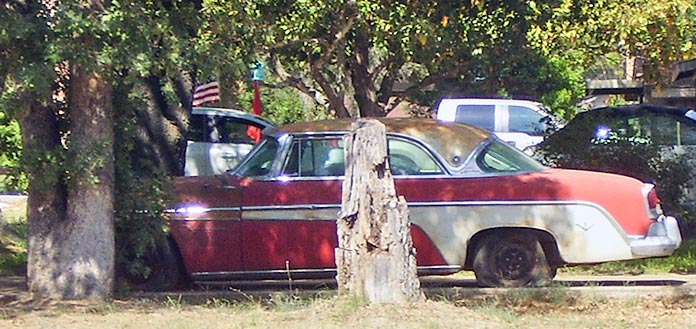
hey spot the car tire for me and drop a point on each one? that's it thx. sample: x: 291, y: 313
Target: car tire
x: 512, y: 260
x: 166, y: 271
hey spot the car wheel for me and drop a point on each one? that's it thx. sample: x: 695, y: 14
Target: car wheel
x: 511, y: 260
x: 166, y: 272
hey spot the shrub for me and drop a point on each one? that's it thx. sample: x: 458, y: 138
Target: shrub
x: 666, y: 167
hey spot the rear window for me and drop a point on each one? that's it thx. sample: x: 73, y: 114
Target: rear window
x: 219, y: 129
x: 499, y: 157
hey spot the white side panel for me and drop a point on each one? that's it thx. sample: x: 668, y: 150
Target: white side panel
x: 584, y: 233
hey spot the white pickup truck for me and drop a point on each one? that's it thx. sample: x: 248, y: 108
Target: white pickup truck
x: 218, y: 138
x: 519, y: 122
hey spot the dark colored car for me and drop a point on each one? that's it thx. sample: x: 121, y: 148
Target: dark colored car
x: 641, y: 123
x: 653, y: 143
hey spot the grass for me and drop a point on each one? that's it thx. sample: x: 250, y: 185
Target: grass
x: 516, y: 308
x: 683, y: 261
x: 14, y: 208
x: 13, y: 233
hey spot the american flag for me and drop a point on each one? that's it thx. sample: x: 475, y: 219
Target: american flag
x: 207, y: 93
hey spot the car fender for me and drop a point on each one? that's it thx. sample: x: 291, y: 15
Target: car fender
x: 583, y: 232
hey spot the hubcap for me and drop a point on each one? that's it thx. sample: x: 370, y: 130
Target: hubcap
x: 514, y: 262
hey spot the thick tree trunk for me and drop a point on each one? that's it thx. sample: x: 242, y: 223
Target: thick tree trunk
x: 71, y: 252
x: 47, y: 198
x: 375, y: 257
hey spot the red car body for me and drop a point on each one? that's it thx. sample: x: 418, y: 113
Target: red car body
x: 278, y: 220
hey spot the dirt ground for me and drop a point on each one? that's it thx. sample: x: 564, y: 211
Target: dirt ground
x: 533, y: 308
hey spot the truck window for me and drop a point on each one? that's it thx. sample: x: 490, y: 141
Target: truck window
x: 215, y: 144
x: 525, y: 120
x: 482, y: 116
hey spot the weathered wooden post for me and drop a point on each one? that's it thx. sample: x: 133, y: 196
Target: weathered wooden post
x: 375, y: 255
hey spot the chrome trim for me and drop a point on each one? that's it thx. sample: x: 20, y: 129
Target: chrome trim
x: 205, y: 277
x: 663, y: 239
x: 206, y: 210
x: 247, y: 211
x: 645, y: 191
x: 178, y: 215
x: 192, y: 219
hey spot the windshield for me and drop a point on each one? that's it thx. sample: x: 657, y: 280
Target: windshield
x: 260, y: 160
x: 500, y: 157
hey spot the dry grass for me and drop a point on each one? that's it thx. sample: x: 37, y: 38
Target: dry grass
x: 13, y: 207
x: 524, y: 308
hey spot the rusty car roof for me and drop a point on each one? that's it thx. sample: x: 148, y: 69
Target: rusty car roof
x: 453, y: 141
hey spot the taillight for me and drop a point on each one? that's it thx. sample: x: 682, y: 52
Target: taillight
x: 654, y: 208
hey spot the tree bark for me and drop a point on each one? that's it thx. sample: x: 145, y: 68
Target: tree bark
x: 71, y: 223
x: 375, y: 257
x: 46, y: 194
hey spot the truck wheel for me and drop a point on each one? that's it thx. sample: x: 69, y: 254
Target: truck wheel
x: 511, y: 260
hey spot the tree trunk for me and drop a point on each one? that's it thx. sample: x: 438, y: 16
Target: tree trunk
x: 375, y: 257
x: 71, y: 246
x: 46, y: 194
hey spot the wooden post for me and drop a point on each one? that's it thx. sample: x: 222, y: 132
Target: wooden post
x: 375, y: 257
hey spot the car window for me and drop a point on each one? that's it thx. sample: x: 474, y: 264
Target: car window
x: 500, y: 157
x: 525, y: 120
x: 260, y: 161
x: 315, y: 157
x: 687, y: 133
x: 646, y: 128
x: 482, y: 116
x: 407, y: 158
x: 668, y: 130
x: 219, y: 129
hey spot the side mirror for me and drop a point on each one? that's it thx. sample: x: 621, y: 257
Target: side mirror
x: 546, y: 126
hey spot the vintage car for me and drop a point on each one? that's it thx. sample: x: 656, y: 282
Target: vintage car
x: 476, y: 203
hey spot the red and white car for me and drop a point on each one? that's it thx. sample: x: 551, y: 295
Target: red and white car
x: 475, y: 203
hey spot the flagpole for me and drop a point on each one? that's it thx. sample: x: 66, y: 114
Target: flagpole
x: 256, y: 105
x: 257, y: 78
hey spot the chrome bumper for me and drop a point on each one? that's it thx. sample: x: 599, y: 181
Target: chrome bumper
x: 663, y: 239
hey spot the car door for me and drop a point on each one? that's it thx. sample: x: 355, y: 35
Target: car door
x: 205, y: 219
x: 420, y: 179
x: 521, y: 126
x: 289, y: 221
x: 206, y: 223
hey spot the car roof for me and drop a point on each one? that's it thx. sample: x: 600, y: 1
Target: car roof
x: 490, y: 101
x: 450, y: 139
x: 234, y: 113
x: 632, y: 109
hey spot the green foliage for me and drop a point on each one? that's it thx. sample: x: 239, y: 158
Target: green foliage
x: 13, y: 245
x: 285, y: 105
x: 143, y: 191
x: 648, y: 162
x: 13, y: 263
x: 659, y: 32
x: 11, y: 176
x: 367, y: 48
